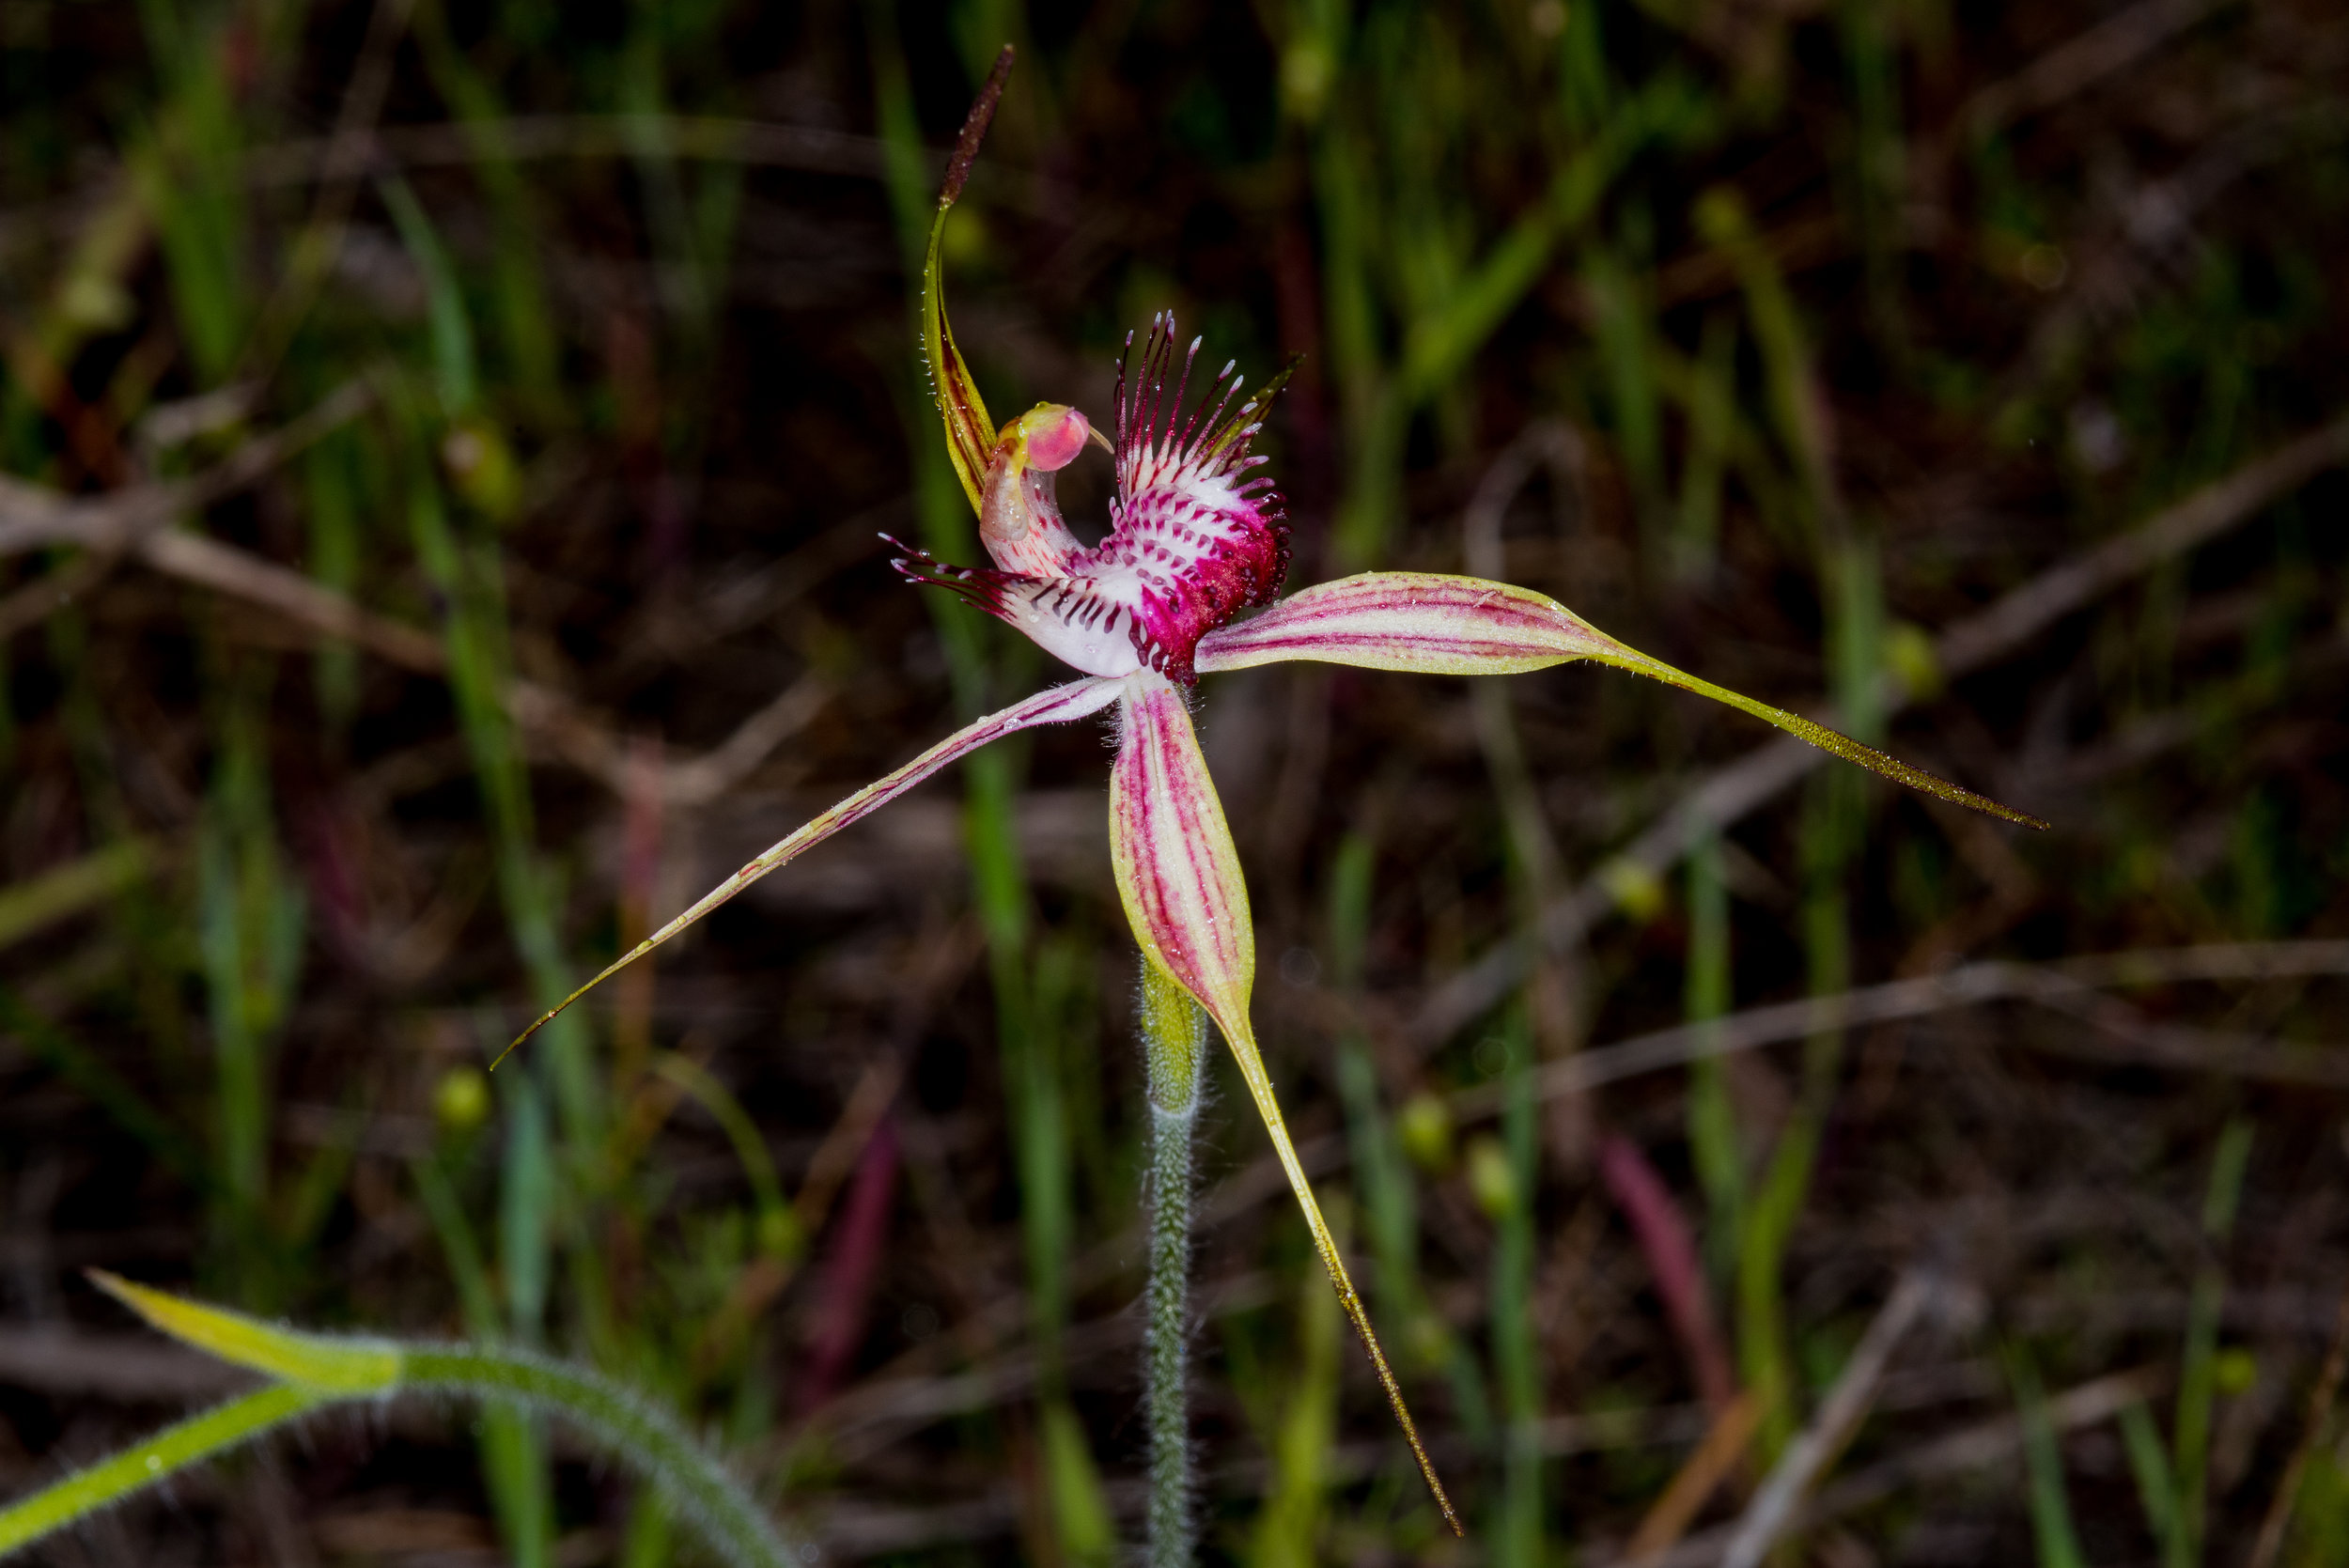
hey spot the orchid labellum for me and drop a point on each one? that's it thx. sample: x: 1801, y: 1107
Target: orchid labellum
x: 1196, y: 542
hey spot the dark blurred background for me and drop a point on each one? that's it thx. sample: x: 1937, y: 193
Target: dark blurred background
x: 445, y: 448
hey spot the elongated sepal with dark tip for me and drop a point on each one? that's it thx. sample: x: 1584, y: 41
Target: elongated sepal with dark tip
x: 970, y: 433
x: 1178, y: 876
x: 1431, y: 624
x: 1058, y: 705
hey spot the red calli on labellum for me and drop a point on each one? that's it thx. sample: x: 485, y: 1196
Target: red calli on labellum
x: 1194, y: 538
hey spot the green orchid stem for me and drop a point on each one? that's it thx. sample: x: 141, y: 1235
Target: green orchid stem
x: 704, y: 1495
x: 1174, y: 1035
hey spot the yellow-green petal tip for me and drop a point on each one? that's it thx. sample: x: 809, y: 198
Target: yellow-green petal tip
x: 329, y: 1364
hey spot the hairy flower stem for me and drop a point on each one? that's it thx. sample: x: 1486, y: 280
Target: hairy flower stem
x: 1166, y: 1349
x: 320, y: 1371
x: 1173, y: 1033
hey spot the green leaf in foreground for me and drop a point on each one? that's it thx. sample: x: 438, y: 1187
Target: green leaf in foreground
x: 316, y: 1371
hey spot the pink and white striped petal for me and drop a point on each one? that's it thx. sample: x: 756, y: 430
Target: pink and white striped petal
x: 1177, y: 869
x: 1058, y: 705
x: 1178, y: 874
x: 1419, y: 622
x: 1429, y: 624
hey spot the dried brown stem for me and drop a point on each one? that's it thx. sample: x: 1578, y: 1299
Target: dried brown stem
x: 2081, y: 62
x: 34, y: 518
x: 2070, y: 987
x: 1839, y: 1414
x: 1974, y: 1447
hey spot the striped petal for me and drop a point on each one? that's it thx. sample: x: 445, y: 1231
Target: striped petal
x: 1465, y: 625
x: 1056, y: 707
x: 1419, y: 622
x: 1178, y: 874
x: 1177, y: 869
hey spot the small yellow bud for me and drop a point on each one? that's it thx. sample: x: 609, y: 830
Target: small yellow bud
x: 780, y: 1236
x: 1423, y: 1127
x: 1908, y: 651
x: 1638, y: 892
x: 1491, y: 1181
x: 482, y: 468
x: 460, y: 1102
x: 1307, y: 74
x: 1721, y: 216
x: 96, y: 303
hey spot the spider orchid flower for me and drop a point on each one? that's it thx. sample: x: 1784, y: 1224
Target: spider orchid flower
x: 1196, y: 541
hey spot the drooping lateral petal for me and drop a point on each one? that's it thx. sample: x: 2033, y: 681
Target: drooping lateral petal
x: 1431, y: 624
x: 1177, y: 869
x: 1056, y: 707
x: 1179, y: 877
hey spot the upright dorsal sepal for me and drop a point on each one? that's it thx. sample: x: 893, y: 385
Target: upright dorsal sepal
x: 970, y: 434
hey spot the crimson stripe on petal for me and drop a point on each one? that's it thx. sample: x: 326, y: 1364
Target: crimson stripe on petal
x: 1422, y: 622
x: 1177, y: 870
x: 1178, y: 874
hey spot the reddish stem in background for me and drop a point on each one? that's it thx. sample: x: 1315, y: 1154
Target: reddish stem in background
x: 1670, y: 1248
x: 849, y: 1273
x: 328, y: 867
x: 640, y: 876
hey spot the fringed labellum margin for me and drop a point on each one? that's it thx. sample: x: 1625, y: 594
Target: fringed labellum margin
x: 1194, y: 538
